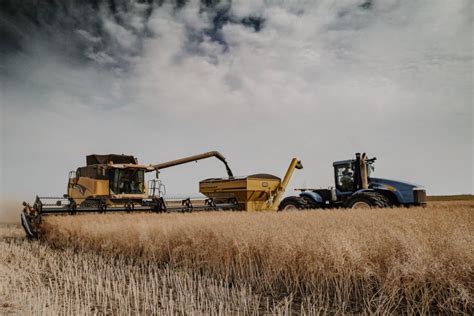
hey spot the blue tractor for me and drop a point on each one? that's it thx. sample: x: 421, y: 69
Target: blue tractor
x: 355, y: 188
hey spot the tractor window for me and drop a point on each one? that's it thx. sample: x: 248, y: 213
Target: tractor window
x: 344, y: 177
x: 127, y: 181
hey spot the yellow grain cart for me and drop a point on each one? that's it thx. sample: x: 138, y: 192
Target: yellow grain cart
x: 258, y: 192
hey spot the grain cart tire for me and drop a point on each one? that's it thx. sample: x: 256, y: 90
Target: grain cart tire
x: 293, y: 203
x: 368, y: 200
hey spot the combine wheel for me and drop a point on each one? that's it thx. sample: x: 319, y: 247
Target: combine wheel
x: 293, y: 203
x: 368, y: 200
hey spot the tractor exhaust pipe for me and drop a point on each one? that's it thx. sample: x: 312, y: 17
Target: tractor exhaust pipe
x: 357, y: 178
x: 361, y: 176
x: 364, y: 174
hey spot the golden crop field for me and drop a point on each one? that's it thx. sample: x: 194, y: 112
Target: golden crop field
x: 399, y: 261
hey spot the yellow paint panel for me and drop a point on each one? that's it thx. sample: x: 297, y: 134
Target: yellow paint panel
x: 251, y: 193
x: 101, y: 187
x: 87, y: 188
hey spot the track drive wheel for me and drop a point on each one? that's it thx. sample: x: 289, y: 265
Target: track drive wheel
x: 293, y: 203
x: 368, y: 200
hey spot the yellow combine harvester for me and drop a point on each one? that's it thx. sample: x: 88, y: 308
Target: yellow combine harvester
x: 117, y: 183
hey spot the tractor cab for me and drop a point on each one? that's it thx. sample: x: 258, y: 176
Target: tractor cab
x: 349, y: 175
x: 344, y: 175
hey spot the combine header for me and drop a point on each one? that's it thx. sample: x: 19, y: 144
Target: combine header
x: 114, y: 183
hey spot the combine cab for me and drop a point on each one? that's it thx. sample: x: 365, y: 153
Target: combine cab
x: 114, y: 183
x: 108, y: 181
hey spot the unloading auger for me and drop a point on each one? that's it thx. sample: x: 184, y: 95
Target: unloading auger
x: 116, y: 183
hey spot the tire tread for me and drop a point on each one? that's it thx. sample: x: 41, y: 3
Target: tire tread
x: 374, y: 199
x: 298, y: 202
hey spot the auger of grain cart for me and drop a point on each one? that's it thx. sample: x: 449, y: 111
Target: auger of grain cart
x: 113, y: 183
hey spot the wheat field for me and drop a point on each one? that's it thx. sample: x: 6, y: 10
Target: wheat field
x: 373, y: 261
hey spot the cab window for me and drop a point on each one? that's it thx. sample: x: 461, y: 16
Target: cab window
x: 127, y: 181
x: 344, y: 177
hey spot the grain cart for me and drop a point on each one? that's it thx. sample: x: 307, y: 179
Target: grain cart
x: 113, y: 183
x: 356, y: 188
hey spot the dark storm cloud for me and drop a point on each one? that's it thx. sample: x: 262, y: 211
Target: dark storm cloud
x: 108, y: 33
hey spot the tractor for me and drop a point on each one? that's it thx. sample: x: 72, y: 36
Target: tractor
x: 356, y: 188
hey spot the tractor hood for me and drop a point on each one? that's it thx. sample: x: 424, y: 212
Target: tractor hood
x: 402, y: 190
x: 390, y: 184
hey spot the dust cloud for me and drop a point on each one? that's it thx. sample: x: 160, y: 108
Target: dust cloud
x: 10, y: 211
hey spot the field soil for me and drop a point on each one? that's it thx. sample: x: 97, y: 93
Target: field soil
x: 399, y: 261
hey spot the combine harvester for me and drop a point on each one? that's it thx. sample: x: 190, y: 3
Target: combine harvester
x: 112, y: 183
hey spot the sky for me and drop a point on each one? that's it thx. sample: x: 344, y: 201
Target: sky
x: 259, y: 81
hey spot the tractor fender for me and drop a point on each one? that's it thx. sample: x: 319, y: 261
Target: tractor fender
x: 394, y: 197
x: 363, y: 190
x: 392, y: 193
x: 313, y: 195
